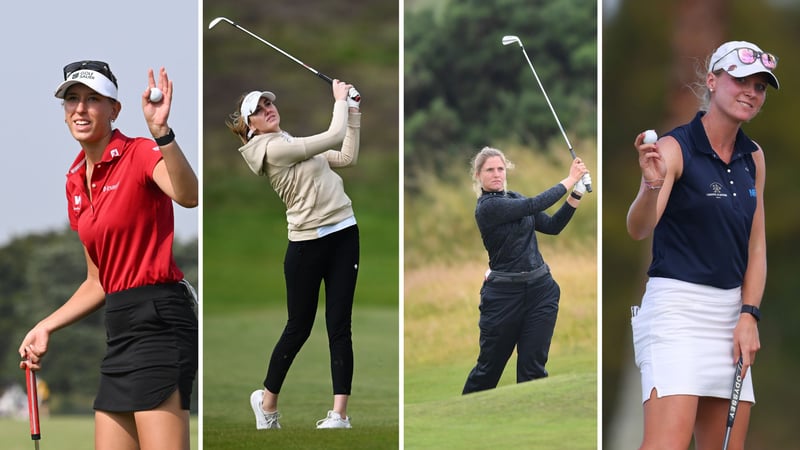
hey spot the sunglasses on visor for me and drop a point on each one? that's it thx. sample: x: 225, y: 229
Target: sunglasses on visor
x: 747, y: 55
x: 97, y: 66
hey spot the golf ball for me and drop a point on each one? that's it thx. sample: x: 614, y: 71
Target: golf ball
x: 156, y: 95
x: 650, y: 137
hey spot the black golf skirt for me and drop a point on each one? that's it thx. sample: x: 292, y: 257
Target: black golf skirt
x: 151, y: 348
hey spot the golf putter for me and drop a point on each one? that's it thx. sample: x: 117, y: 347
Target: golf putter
x: 735, y: 391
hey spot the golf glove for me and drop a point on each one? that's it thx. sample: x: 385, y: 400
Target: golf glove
x: 580, y: 186
x: 353, y: 98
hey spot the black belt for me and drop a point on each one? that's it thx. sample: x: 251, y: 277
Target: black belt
x: 518, y: 277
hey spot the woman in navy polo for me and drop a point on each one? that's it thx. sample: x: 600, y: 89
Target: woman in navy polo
x: 701, y: 197
x: 119, y: 194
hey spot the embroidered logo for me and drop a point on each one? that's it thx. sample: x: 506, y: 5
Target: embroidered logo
x: 752, y: 192
x: 76, y: 203
x: 115, y: 153
x: 716, y: 190
x: 112, y: 187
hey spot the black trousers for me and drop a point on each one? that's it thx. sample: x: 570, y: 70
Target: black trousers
x: 516, y: 310
x: 334, y: 260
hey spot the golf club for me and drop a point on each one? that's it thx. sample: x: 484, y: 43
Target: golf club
x: 514, y: 39
x: 33, y: 406
x: 353, y: 92
x: 735, y: 391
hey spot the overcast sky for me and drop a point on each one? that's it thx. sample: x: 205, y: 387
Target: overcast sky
x: 38, y: 40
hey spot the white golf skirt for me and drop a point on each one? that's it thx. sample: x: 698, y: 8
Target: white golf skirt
x: 683, y: 340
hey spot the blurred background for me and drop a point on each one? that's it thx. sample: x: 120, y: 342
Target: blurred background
x: 650, y: 54
x: 464, y: 90
x: 244, y: 220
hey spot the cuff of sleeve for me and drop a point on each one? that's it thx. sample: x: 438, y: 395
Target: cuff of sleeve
x: 354, y: 120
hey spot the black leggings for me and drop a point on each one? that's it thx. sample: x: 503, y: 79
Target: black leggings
x: 334, y: 259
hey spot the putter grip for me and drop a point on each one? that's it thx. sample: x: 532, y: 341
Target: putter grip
x: 735, y: 392
x: 33, y: 403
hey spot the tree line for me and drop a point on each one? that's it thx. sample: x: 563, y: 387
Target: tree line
x: 464, y: 89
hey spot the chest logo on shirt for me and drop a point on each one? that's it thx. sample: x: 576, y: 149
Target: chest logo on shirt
x: 76, y: 203
x: 716, y: 190
x: 111, y: 187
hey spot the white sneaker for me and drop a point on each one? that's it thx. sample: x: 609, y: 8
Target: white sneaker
x: 334, y: 420
x: 264, y: 421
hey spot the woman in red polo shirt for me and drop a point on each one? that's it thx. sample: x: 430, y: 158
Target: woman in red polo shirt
x: 120, y: 192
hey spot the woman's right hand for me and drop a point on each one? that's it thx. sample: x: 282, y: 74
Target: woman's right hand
x: 33, y: 348
x: 340, y: 89
x: 653, y: 166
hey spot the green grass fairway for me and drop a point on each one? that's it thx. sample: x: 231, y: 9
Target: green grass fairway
x: 60, y: 433
x: 558, y: 412
x: 441, y: 346
x: 236, y: 348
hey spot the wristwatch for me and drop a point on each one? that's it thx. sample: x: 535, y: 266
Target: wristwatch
x: 753, y: 310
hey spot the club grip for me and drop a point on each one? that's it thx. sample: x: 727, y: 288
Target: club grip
x: 325, y: 77
x: 735, y: 392
x: 572, y: 153
x: 33, y: 403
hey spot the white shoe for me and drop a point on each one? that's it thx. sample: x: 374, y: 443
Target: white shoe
x: 334, y: 420
x: 264, y: 421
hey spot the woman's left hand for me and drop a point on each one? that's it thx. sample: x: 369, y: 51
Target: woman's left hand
x: 746, y: 342
x: 340, y: 89
x: 157, y: 113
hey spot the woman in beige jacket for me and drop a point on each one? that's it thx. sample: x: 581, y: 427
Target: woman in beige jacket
x: 323, y: 236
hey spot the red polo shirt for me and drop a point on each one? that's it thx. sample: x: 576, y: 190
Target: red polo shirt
x: 128, y: 226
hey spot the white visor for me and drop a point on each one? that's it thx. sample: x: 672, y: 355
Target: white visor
x: 94, y: 80
x: 250, y: 103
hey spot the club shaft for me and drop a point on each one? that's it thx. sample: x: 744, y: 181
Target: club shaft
x: 314, y: 71
x: 727, y: 438
x: 563, y: 133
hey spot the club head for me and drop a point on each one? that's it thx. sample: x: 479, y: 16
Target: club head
x: 218, y: 20
x: 511, y: 39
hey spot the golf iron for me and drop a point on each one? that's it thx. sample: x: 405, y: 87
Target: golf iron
x: 353, y: 92
x: 507, y: 40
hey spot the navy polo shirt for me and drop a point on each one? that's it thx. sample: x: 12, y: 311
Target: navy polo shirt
x: 704, y: 233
